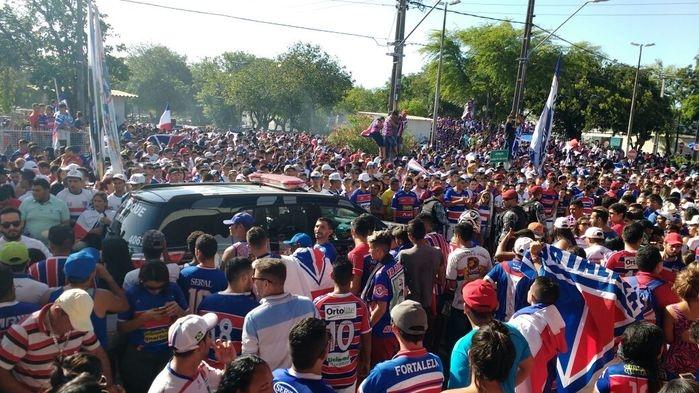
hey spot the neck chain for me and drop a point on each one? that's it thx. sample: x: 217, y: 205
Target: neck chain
x: 61, y: 347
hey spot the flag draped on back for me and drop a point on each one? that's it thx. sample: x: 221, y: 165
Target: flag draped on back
x: 165, y: 123
x: 104, y: 127
x: 542, y: 132
x: 596, y: 306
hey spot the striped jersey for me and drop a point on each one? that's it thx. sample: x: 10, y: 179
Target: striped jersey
x: 361, y: 198
x: 231, y: 309
x: 548, y: 198
x: 28, y: 350
x: 513, y: 279
x: 454, y: 211
x: 622, y: 262
x: 404, y: 204
x: 77, y: 203
x: 346, y: 319
x: 415, y: 371
x: 626, y: 378
x: 49, y: 271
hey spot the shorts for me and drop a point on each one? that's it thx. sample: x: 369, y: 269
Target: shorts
x: 383, y: 348
x: 389, y: 141
x: 378, y: 138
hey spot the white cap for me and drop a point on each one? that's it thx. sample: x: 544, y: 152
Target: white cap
x: 137, y: 178
x: 364, y: 177
x: 74, y: 173
x: 316, y: 174
x: 694, y: 220
x: 119, y: 176
x: 326, y: 167
x: 70, y: 167
x: 187, y: 332
x: 562, y: 223
x: 240, y: 177
x: 30, y: 165
x: 77, y: 304
x: 335, y: 177
x: 594, y: 233
x: 208, y: 154
x: 522, y: 245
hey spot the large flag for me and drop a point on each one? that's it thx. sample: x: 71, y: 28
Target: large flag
x: 413, y: 165
x: 542, y: 132
x: 165, y: 123
x: 596, y: 306
x: 166, y: 140
x: 103, y: 129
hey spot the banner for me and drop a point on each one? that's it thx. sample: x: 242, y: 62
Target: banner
x: 542, y: 132
x: 104, y: 128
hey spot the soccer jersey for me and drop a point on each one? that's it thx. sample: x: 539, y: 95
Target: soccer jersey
x: 549, y: 197
x: 361, y: 198
x: 197, y: 282
x: 408, y: 371
x: 622, y: 262
x: 464, y: 265
x: 346, y: 319
x: 513, y: 279
x: 206, y: 380
x: 404, y: 204
x: 454, y: 211
x: 114, y: 202
x: 588, y: 204
x: 290, y: 381
x: 152, y: 336
x: 13, y: 312
x: 329, y: 250
x: 311, y: 270
x: 77, y: 203
x: 362, y: 263
x: 231, y: 309
x: 626, y: 378
x: 49, y: 271
x: 387, y: 285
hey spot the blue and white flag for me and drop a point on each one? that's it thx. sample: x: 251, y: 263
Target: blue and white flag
x: 542, y: 132
x: 596, y: 306
x: 515, y: 144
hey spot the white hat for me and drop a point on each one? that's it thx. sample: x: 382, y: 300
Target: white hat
x: 187, y: 332
x: 240, y: 177
x: 316, y: 174
x: 522, y: 245
x: 694, y: 220
x: 77, y: 304
x: 74, y: 173
x: 326, y: 167
x: 70, y: 167
x: 364, y: 177
x: 31, y: 165
x: 562, y: 223
x: 137, y: 178
x: 119, y: 176
x: 335, y: 177
x: 594, y: 233
x: 208, y: 154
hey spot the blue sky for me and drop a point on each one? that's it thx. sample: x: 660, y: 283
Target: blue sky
x: 672, y: 24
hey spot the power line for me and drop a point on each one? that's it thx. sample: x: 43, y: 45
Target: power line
x: 615, y: 4
x: 601, y: 14
x: 271, y: 23
x: 364, y: 3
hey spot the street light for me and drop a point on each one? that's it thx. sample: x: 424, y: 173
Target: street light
x: 633, y: 94
x: 435, y: 111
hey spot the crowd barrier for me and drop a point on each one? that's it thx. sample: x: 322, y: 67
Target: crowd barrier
x: 9, y: 139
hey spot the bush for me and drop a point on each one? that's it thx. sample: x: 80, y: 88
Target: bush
x: 349, y: 135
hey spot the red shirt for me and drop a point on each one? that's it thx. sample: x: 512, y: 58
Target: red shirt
x: 356, y: 256
x: 664, y: 296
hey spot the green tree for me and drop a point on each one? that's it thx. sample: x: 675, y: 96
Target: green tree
x: 361, y: 99
x: 254, y: 89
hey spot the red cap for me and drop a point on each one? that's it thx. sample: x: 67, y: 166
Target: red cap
x: 679, y: 182
x: 616, y: 185
x: 509, y: 194
x: 479, y: 295
x: 673, y: 238
x: 535, y: 189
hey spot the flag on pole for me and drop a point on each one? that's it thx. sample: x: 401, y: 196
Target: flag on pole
x: 104, y: 134
x: 413, y: 165
x: 542, y: 132
x: 165, y: 123
x: 596, y: 307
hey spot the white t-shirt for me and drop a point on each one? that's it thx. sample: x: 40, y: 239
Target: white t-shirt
x: 693, y: 243
x: 131, y: 278
x: 596, y: 253
x: 114, y: 202
x: 77, y: 203
x: 467, y: 264
x: 30, y: 242
x: 28, y: 289
x: 169, y: 381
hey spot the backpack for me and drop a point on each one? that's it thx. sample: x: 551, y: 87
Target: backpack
x: 650, y: 310
x: 520, y: 223
x: 434, y: 208
x: 530, y: 209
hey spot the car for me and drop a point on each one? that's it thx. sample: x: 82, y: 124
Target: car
x: 276, y: 202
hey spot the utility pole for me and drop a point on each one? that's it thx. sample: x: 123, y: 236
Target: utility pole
x: 398, y: 45
x: 633, y: 94
x: 435, y: 108
x: 523, y: 59
x: 81, y: 70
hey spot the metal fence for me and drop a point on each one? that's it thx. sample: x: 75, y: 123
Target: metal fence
x: 9, y: 139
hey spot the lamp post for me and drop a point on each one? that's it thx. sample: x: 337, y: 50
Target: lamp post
x: 435, y: 111
x: 633, y: 94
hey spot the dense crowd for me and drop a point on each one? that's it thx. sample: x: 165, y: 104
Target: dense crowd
x: 454, y: 296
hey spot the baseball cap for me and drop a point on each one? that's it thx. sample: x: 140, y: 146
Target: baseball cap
x: 241, y: 218
x: 79, y: 266
x: 673, y: 238
x: 479, y: 295
x: 522, y: 245
x: 326, y: 167
x: 535, y: 189
x: 409, y: 317
x: 364, y: 177
x: 77, y: 304
x: 694, y: 220
x: 509, y: 194
x: 137, y: 178
x: 14, y: 253
x: 187, y: 332
x: 301, y: 239
x: 74, y: 173
x: 31, y: 165
x: 335, y: 177
x: 316, y: 175
x: 153, y: 239
x: 594, y: 233
x: 119, y: 176
x: 561, y: 223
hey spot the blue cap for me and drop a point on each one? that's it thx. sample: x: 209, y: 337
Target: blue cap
x: 93, y: 252
x: 241, y: 218
x: 79, y: 266
x: 301, y: 239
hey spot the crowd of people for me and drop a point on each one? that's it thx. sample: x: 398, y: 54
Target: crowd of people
x: 447, y: 298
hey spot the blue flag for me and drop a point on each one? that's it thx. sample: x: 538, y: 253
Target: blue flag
x: 542, y: 132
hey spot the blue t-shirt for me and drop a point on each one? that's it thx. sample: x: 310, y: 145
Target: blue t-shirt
x: 329, y: 250
x: 407, y: 370
x: 288, y: 381
x: 231, y: 309
x: 460, y: 370
x: 98, y: 324
x: 198, y: 282
x: 454, y: 212
x: 404, y: 204
x: 13, y: 312
x: 626, y: 378
x: 152, y: 336
x: 361, y: 198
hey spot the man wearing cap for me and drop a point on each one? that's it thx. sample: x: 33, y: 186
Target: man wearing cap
x: 335, y: 184
x: 595, y: 250
x: 480, y: 301
x: 316, y: 182
x: 189, y: 372
x: 362, y: 195
x: 309, y: 265
x: 534, y: 207
x: 75, y: 196
x: 672, y: 253
x: 15, y: 256
x: 137, y: 181
x: 42, y: 211
x: 64, y: 328
x: 115, y: 199
x: 412, y: 367
x: 238, y: 227
x: 513, y: 218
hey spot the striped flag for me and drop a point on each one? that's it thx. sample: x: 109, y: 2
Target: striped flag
x: 165, y: 123
x: 542, y: 132
x: 415, y: 166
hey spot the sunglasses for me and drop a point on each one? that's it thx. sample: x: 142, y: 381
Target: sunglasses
x: 9, y: 224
